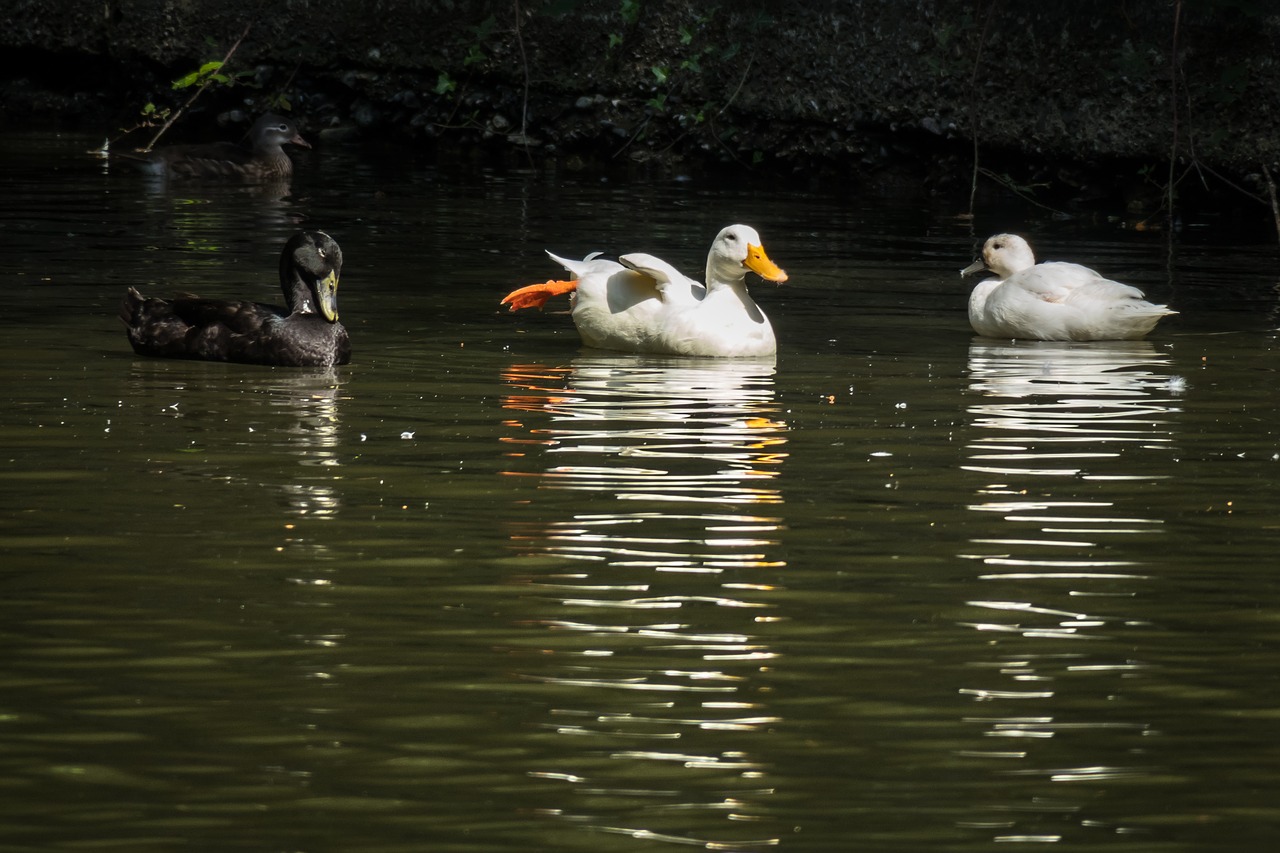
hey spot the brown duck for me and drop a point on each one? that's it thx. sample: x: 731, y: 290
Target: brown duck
x: 263, y: 160
x: 305, y: 333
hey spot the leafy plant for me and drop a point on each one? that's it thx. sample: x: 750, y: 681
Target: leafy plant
x: 629, y: 11
x: 480, y: 33
x: 211, y: 72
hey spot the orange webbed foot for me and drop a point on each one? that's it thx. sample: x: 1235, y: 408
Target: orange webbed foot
x: 536, y: 295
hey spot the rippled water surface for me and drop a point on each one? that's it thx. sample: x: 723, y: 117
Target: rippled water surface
x: 482, y: 590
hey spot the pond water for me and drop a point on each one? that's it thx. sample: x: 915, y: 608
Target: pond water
x: 901, y: 588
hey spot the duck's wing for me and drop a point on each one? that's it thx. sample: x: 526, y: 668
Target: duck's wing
x: 193, y: 327
x: 1079, y: 285
x: 673, y: 286
x: 214, y: 159
x: 1058, y: 282
x: 238, y: 316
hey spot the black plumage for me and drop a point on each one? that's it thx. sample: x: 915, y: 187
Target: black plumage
x: 306, y: 333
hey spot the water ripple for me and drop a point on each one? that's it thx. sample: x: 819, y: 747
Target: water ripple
x: 1073, y: 432
x: 693, y: 448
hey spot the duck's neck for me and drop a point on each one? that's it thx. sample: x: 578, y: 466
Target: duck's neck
x: 717, y: 285
x: 273, y: 161
x: 299, y: 297
x: 732, y: 297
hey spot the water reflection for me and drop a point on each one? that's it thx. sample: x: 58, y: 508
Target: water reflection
x: 652, y: 654
x: 1069, y: 439
x: 196, y: 218
x: 281, y: 416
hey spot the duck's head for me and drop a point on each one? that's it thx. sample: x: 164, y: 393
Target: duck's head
x: 1004, y: 255
x: 737, y: 249
x: 271, y: 131
x: 309, y: 269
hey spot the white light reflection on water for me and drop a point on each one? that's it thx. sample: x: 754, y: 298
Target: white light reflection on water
x: 290, y: 417
x: 650, y: 656
x: 1069, y: 438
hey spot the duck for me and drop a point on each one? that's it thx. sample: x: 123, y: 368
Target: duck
x: 263, y: 160
x: 1053, y: 301
x: 642, y: 304
x: 305, y: 333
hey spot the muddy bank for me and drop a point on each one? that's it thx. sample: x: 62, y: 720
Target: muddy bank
x: 1069, y: 101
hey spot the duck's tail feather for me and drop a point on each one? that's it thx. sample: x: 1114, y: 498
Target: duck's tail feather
x: 536, y: 295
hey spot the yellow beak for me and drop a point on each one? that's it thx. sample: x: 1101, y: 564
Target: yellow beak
x: 327, y: 293
x: 758, y: 262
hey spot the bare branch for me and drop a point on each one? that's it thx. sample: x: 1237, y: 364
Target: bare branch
x: 174, y: 117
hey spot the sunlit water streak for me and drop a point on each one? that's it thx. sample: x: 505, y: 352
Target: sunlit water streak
x: 1064, y: 435
x: 652, y: 643
x: 290, y: 415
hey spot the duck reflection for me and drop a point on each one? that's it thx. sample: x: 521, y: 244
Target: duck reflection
x: 285, y: 417
x: 653, y: 521
x: 1070, y: 438
x: 192, y: 213
x: 309, y: 404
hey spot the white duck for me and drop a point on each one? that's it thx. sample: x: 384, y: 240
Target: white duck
x: 643, y: 304
x: 1053, y: 301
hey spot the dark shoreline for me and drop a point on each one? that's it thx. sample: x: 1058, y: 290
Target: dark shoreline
x: 1073, y: 107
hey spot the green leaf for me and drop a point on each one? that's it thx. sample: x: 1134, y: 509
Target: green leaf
x: 660, y: 72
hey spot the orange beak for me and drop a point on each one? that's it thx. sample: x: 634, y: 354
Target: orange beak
x: 758, y: 262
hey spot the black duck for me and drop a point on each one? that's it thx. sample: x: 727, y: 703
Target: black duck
x: 305, y: 333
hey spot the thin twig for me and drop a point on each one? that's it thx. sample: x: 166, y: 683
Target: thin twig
x: 715, y: 134
x: 711, y: 121
x: 524, y: 64
x: 1173, y: 103
x: 985, y: 172
x: 178, y: 112
x: 633, y: 137
x: 741, y: 80
x: 973, y: 102
x: 1271, y: 191
x: 1187, y: 121
x: 1230, y: 183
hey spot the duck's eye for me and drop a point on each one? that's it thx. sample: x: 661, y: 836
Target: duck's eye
x: 320, y: 251
x: 731, y: 237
